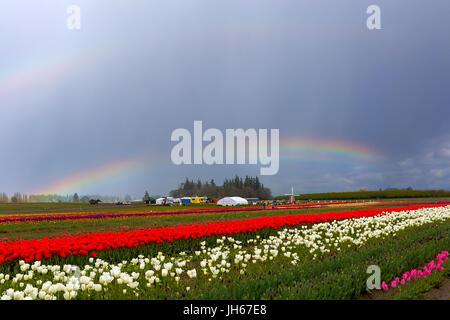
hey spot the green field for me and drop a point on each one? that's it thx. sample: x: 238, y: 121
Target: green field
x: 29, y: 208
x: 14, y: 231
x: 44, y: 207
x: 339, y: 273
x: 37, y: 230
x: 386, y: 194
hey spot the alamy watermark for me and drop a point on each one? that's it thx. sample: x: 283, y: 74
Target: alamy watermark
x: 73, y: 21
x: 240, y: 146
x: 374, y: 281
x: 374, y: 20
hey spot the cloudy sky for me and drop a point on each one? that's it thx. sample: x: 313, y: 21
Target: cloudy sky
x: 92, y: 110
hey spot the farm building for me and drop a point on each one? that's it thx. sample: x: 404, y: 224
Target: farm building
x: 167, y: 200
x: 171, y: 200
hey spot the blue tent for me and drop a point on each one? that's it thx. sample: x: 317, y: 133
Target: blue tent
x: 186, y: 200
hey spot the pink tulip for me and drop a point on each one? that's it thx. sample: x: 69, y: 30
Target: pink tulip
x: 435, y: 264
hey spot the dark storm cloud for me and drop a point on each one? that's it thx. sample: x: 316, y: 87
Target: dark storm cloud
x: 75, y: 100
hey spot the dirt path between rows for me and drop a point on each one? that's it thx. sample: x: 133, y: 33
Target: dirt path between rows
x: 441, y: 293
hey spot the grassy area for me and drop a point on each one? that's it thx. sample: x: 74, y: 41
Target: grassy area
x: 29, y: 208
x: 38, y: 208
x: 343, y: 275
x: 387, y: 194
x: 46, y: 229
x: 42, y: 206
x: 338, y: 275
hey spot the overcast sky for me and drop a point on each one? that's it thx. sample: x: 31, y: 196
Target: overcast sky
x: 75, y: 101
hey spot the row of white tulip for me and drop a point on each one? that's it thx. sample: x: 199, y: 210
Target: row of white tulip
x: 137, y: 277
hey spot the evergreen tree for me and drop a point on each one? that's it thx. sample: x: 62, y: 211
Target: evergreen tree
x: 248, y: 187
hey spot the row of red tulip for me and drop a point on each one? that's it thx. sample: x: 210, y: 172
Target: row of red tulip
x: 30, y: 250
x: 27, y: 218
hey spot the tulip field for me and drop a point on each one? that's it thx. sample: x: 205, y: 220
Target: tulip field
x: 309, y: 251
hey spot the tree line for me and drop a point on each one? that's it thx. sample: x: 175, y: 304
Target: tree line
x: 17, y: 197
x: 390, y: 193
x: 20, y: 197
x: 249, y: 187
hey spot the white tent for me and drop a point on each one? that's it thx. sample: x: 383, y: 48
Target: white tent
x: 173, y: 200
x: 160, y: 201
x: 168, y: 200
x: 231, y: 201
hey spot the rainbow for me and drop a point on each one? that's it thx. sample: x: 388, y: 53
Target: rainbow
x: 100, y: 174
x: 319, y: 150
x: 37, y: 72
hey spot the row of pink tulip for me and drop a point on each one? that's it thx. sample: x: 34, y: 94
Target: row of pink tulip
x: 408, y: 276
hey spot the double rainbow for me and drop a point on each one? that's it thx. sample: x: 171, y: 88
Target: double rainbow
x: 327, y: 151
x: 37, y: 72
x: 309, y: 150
x: 100, y: 174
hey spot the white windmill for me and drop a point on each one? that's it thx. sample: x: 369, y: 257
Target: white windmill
x: 291, y: 195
